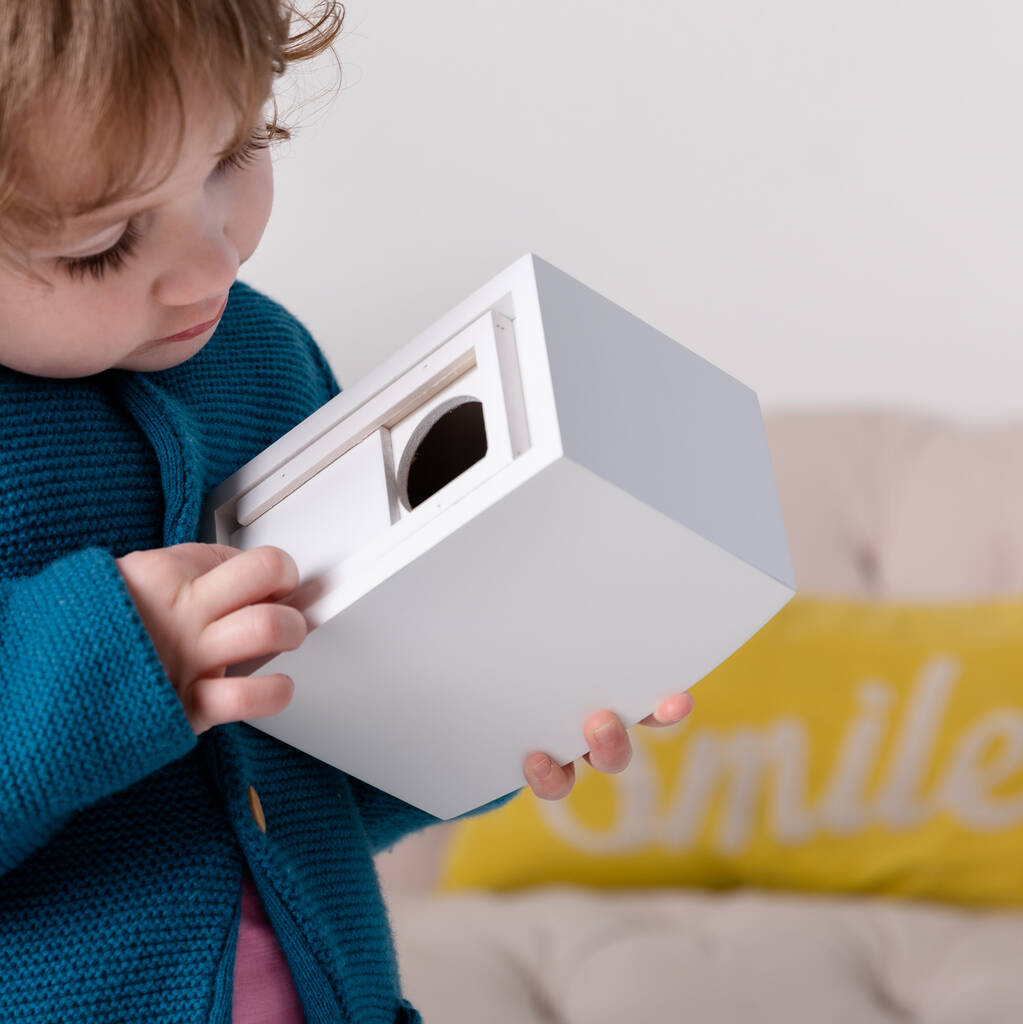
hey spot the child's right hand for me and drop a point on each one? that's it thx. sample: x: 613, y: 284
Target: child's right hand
x: 208, y: 606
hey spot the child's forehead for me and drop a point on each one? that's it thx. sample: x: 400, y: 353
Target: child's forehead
x: 93, y: 177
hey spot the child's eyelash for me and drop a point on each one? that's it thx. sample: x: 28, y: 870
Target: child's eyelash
x: 109, y: 259
x: 244, y: 154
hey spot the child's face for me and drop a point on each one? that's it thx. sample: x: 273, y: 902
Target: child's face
x: 130, y: 278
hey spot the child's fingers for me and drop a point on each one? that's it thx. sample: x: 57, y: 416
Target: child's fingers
x: 250, y: 632
x: 610, y: 748
x: 671, y: 710
x: 546, y: 778
x: 224, y: 699
x: 249, y: 577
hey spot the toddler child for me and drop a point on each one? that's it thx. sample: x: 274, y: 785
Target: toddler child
x: 159, y: 859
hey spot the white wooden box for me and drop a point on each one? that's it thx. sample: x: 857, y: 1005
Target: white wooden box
x: 618, y: 539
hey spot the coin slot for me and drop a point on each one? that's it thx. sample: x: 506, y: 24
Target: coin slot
x: 444, y: 445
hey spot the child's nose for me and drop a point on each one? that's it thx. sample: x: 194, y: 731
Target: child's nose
x: 203, y: 265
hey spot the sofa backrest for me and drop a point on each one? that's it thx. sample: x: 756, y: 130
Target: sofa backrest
x: 898, y: 505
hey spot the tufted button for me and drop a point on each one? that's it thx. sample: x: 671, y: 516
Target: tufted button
x: 257, y: 809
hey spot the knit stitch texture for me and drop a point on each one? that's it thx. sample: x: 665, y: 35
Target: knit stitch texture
x: 122, y: 836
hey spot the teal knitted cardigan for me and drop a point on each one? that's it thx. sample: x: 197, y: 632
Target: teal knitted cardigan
x: 123, y: 837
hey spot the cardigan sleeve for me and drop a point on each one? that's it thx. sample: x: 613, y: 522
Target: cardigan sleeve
x: 85, y: 706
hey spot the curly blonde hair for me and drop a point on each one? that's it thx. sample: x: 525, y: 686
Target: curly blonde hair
x: 102, y: 69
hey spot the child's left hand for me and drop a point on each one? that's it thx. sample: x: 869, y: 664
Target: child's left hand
x: 610, y: 749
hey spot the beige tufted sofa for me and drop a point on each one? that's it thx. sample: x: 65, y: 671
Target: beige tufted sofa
x: 881, y: 504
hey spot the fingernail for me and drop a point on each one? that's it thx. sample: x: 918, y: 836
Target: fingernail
x: 606, y: 734
x: 541, y: 769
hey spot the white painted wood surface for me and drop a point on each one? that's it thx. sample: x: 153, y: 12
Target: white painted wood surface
x: 620, y: 538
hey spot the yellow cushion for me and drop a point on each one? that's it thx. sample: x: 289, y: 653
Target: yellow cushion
x: 847, y: 747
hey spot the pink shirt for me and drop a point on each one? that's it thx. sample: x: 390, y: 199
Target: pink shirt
x: 264, y: 991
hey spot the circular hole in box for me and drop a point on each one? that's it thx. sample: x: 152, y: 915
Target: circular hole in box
x: 447, y: 442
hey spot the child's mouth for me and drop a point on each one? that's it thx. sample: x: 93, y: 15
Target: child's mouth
x: 191, y: 332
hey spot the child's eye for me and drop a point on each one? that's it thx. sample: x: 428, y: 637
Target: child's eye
x: 115, y: 257
x: 244, y: 154
x: 109, y: 259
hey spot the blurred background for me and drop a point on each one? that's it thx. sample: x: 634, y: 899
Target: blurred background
x: 822, y: 199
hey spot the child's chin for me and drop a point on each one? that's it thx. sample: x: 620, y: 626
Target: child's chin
x: 164, y: 354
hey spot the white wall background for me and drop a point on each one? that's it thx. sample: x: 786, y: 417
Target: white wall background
x: 825, y: 198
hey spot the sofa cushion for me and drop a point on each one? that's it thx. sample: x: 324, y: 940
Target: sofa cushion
x: 849, y: 746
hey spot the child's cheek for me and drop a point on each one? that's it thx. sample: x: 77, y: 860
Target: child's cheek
x: 46, y: 331
x: 252, y: 211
